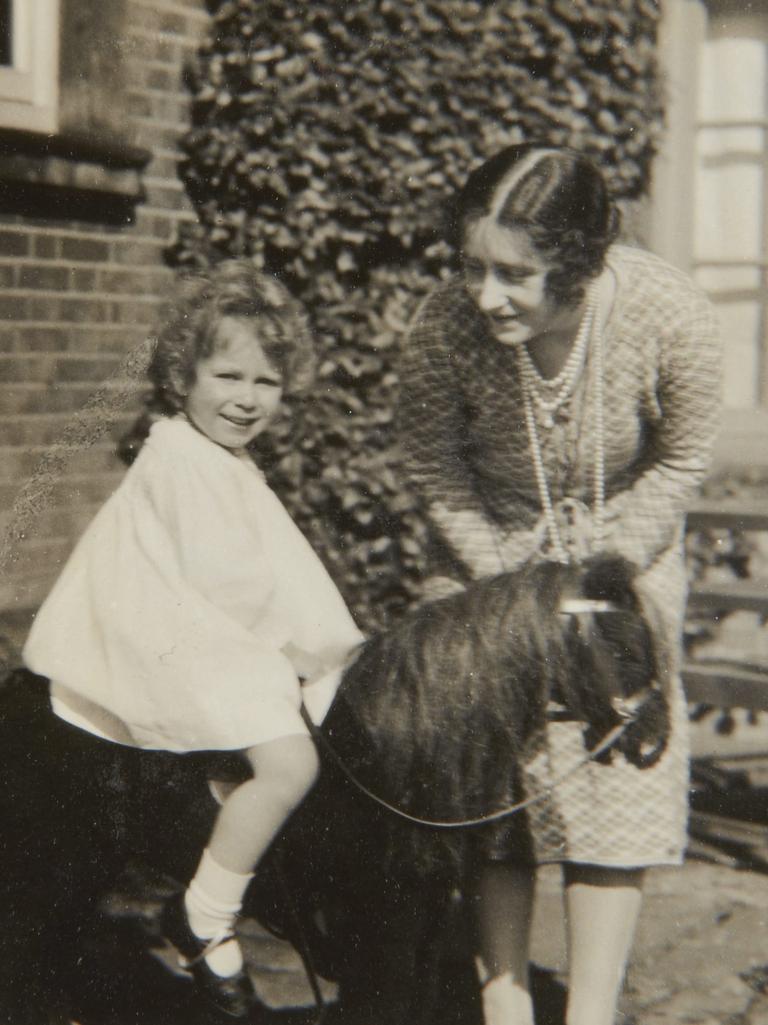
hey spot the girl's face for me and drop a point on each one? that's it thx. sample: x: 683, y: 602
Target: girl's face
x: 237, y: 390
x: 507, y: 277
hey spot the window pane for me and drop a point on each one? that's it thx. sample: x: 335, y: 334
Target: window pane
x: 731, y: 191
x: 733, y: 78
x: 6, y: 46
x: 730, y: 194
x: 743, y: 278
x: 740, y: 322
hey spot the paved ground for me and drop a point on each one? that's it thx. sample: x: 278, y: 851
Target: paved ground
x: 701, y: 955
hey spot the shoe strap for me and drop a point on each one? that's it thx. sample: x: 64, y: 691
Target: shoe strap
x: 211, y: 945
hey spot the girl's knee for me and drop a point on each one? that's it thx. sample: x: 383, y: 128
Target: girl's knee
x: 290, y: 766
x: 304, y: 768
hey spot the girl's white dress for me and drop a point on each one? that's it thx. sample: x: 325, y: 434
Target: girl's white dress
x: 190, y: 607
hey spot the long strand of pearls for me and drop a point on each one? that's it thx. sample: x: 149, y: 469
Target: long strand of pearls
x: 558, y: 548
x: 549, y: 394
x: 559, y: 551
x: 599, y: 469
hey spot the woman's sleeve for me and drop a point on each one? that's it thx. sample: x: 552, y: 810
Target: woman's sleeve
x: 431, y: 426
x: 644, y: 519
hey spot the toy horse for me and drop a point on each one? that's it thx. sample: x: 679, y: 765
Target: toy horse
x: 435, y: 718
x: 437, y: 715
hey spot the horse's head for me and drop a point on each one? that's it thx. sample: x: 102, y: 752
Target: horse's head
x: 611, y: 672
x: 437, y: 715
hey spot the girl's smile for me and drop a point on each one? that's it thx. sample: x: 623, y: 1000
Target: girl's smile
x: 237, y: 390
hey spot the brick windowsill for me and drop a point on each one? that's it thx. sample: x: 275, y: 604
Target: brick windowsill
x: 68, y: 176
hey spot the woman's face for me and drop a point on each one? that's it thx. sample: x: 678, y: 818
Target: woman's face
x: 506, y: 277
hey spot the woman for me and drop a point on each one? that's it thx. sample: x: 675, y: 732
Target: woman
x: 559, y: 398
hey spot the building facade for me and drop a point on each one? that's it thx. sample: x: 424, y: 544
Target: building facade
x: 709, y: 209
x: 92, y: 105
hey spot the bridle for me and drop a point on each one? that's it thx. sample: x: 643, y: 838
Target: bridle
x: 626, y: 709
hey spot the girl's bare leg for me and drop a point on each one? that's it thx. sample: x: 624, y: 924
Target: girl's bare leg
x: 250, y: 817
x: 602, y: 907
x: 504, y: 898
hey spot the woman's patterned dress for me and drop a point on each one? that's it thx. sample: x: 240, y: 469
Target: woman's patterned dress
x: 467, y: 454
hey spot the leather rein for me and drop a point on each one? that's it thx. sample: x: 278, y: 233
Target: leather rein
x: 627, y: 709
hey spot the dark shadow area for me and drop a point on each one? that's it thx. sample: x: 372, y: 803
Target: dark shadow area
x: 75, y: 812
x: 729, y: 815
x: 94, y: 837
x: 37, y: 204
x: 549, y: 997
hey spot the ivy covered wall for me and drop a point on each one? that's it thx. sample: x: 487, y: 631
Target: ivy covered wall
x: 326, y: 139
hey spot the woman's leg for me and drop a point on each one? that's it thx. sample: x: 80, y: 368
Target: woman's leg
x: 602, y: 906
x: 504, y: 897
x: 250, y: 817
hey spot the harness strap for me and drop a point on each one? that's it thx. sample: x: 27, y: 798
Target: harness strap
x: 304, y: 948
x: 223, y: 936
x: 602, y: 745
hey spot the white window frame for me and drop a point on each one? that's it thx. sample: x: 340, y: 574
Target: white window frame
x: 682, y: 35
x: 29, y: 88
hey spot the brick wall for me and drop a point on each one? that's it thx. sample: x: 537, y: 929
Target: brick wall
x: 76, y: 297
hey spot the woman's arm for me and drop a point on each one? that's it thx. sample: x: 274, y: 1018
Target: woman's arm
x: 432, y: 427
x: 643, y: 520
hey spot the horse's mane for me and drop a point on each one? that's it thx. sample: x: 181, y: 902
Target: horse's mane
x: 437, y: 714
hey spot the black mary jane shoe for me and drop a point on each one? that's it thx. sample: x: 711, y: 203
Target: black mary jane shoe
x: 233, y: 995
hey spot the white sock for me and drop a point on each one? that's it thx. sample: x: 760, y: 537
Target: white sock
x: 504, y: 1002
x: 212, y: 902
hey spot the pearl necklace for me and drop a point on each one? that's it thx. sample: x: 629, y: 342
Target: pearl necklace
x: 559, y: 550
x: 549, y: 394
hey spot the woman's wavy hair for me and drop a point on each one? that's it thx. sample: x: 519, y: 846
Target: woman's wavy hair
x: 558, y: 196
x: 232, y: 288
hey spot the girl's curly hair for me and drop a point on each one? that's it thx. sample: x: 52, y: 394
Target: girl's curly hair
x: 232, y: 288
x: 558, y: 196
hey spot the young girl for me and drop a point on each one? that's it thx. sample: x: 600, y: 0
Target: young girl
x: 192, y: 606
